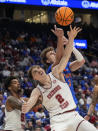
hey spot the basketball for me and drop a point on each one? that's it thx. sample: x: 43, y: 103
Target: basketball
x: 64, y: 16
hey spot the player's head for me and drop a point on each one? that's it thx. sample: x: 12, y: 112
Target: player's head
x: 48, y: 56
x: 96, y: 79
x: 37, y: 73
x: 12, y: 84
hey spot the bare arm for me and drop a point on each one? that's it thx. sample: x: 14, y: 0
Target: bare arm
x: 75, y: 65
x: 67, y: 51
x: 32, y: 100
x: 13, y: 103
x: 79, y: 60
x: 64, y: 60
x: 59, y: 51
x: 93, y: 104
x: 25, y: 99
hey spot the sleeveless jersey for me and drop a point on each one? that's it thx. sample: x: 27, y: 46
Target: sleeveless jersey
x: 14, y: 120
x: 58, y: 98
x: 68, y: 79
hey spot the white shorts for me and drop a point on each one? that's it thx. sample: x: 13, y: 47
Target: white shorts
x: 70, y: 121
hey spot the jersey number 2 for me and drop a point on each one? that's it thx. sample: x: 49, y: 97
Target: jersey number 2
x: 59, y: 98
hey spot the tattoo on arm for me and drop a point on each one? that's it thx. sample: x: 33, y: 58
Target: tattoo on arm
x: 14, y: 103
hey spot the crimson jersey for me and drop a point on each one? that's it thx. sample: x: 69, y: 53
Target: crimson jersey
x: 58, y: 98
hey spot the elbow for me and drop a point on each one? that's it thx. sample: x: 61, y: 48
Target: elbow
x: 81, y: 63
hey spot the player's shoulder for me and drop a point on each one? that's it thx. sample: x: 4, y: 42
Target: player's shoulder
x: 9, y: 100
x: 10, y: 97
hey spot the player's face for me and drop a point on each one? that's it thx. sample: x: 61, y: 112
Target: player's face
x: 51, y: 56
x: 38, y: 73
x: 15, y: 86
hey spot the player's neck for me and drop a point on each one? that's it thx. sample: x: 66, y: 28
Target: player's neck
x: 47, y: 81
x: 15, y: 95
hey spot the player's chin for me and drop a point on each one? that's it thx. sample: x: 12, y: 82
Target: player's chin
x: 19, y: 90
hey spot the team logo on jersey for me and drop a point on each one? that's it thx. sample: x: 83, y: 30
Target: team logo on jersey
x: 54, y: 81
x: 45, y: 2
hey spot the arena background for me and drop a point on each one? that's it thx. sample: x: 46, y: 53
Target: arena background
x: 25, y: 32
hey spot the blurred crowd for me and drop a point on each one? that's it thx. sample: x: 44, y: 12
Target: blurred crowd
x: 20, y: 47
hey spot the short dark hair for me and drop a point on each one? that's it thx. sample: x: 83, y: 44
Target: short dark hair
x: 7, y: 82
x: 43, y: 55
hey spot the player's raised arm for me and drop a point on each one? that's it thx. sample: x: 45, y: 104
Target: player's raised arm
x: 68, y: 50
x: 32, y: 101
x: 59, y: 33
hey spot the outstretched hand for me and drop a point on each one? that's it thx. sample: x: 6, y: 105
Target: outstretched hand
x: 73, y: 32
x: 58, y: 31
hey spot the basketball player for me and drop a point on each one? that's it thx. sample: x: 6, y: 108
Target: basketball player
x: 56, y: 94
x: 94, y: 99
x: 13, y: 116
x: 49, y: 57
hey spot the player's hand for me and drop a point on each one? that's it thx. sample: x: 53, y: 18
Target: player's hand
x: 73, y: 32
x: 87, y: 117
x: 24, y: 108
x: 58, y: 32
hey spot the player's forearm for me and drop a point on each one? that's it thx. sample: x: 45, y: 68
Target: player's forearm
x: 69, y: 46
x: 91, y: 109
x: 78, y: 55
x: 30, y: 104
x: 67, y: 54
x: 60, y: 47
x: 59, y: 50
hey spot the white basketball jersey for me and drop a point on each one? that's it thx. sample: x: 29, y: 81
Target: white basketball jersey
x: 13, y: 120
x: 58, y: 98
